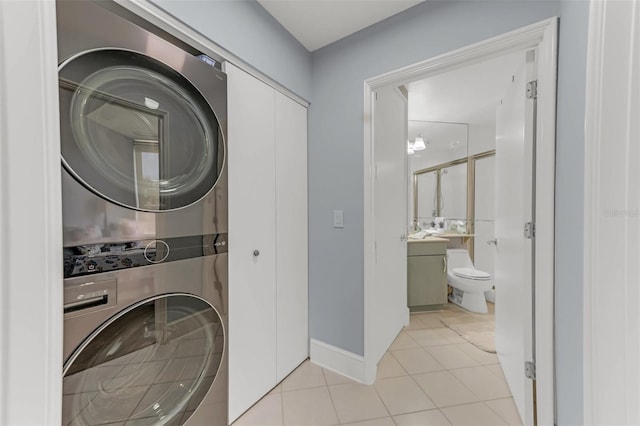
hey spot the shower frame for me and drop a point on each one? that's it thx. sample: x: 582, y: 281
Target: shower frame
x: 471, y: 190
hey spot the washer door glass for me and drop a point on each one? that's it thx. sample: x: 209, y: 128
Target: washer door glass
x: 150, y: 364
x: 136, y: 132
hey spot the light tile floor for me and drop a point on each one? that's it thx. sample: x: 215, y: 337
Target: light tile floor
x: 429, y: 376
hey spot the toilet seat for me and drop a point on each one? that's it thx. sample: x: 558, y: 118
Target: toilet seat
x: 471, y: 273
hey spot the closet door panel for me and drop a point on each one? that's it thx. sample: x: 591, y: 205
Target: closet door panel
x: 252, y: 239
x: 292, y: 230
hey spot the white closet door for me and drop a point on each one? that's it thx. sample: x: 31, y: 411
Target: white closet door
x: 291, y: 243
x: 252, y: 224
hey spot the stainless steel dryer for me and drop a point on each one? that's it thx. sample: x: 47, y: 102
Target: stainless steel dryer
x: 143, y: 126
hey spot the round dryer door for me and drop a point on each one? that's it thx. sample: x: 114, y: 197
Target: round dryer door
x: 153, y: 363
x: 136, y: 132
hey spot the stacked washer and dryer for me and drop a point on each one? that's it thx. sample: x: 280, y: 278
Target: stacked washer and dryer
x: 143, y: 125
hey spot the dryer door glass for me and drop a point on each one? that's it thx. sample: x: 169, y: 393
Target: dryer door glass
x: 152, y: 363
x: 137, y: 132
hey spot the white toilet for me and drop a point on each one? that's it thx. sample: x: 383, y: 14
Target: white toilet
x: 469, y: 284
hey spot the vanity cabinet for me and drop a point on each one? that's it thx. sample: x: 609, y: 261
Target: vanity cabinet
x: 268, y: 261
x: 427, y: 274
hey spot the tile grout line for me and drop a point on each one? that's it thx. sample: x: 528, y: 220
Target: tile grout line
x: 414, y: 380
x: 446, y: 406
x: 477, y: 364
x: 304, y: 388
x: 420, y: 411
x: 480, y: 399
x: 282, y: 399
x: 383, y: 403
x: 473, y: 403
x: 466, y: 387
x: 467, y: 403
x: 484, y: 367
x: 437, y: 331
x: 396, y: 360
x: 445, y: 369
x: 447, y: 417
x: 499, y: 375
x: 333, y: 404
x: 498, y: 414
x: 427, y: 395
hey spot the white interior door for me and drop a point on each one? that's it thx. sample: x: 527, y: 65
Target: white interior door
x: 252, y: 236
x: 513, y: 259
x: 390, y: 312
x: 291, y: 225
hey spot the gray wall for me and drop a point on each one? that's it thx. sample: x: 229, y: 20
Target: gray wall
x: 574, y: 25
x: 332, y: 79
x: 248, y: 31
x: 336, y: 139
x: 336, y: 158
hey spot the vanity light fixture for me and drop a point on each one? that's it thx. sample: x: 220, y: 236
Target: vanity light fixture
x: 410, y: 148
x: 418, y: 144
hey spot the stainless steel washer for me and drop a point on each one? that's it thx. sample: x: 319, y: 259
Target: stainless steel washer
x: 143, y: 127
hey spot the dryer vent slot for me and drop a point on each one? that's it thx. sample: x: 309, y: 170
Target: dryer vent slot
x: 85, y: 304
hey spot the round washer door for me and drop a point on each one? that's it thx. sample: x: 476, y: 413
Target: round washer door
x: 152, y: 363
x: 136, y: 132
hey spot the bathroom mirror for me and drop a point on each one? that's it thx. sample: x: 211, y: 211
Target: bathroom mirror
x: 438, y: 173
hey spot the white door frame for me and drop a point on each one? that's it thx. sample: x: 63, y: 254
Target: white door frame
x: 542, y: 36
x: 30, y: 216
x: 611, y: 314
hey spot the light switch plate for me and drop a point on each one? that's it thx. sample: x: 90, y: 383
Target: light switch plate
x: 338, y: 219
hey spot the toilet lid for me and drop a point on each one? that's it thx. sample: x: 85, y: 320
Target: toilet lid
x: 471, y: 273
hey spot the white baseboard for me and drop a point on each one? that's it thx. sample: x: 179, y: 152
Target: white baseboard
x: 337, y: 360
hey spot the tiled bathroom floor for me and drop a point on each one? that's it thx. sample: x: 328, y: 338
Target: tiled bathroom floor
x: 429, y: 376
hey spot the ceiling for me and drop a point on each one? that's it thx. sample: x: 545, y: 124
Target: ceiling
x: 317, y: 23
x: 464, y: 95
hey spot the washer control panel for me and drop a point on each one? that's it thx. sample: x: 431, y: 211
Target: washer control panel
x: 156, y: 251
x: 97, y: 258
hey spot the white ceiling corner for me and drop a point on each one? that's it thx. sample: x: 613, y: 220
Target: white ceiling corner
x: 317, y: 23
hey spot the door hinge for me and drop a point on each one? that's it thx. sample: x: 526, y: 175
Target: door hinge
x: 530, y: 230
x: 530, y: 370
x: 532, y: 89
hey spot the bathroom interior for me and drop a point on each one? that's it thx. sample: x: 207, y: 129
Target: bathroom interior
x: 451, y: 185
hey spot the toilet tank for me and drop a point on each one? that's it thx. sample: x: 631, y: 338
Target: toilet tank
x: 458, y: 258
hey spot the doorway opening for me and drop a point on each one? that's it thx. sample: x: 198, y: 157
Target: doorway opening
x: 457, y: 201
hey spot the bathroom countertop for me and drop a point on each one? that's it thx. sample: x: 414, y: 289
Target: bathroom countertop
x: 428, y: 240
